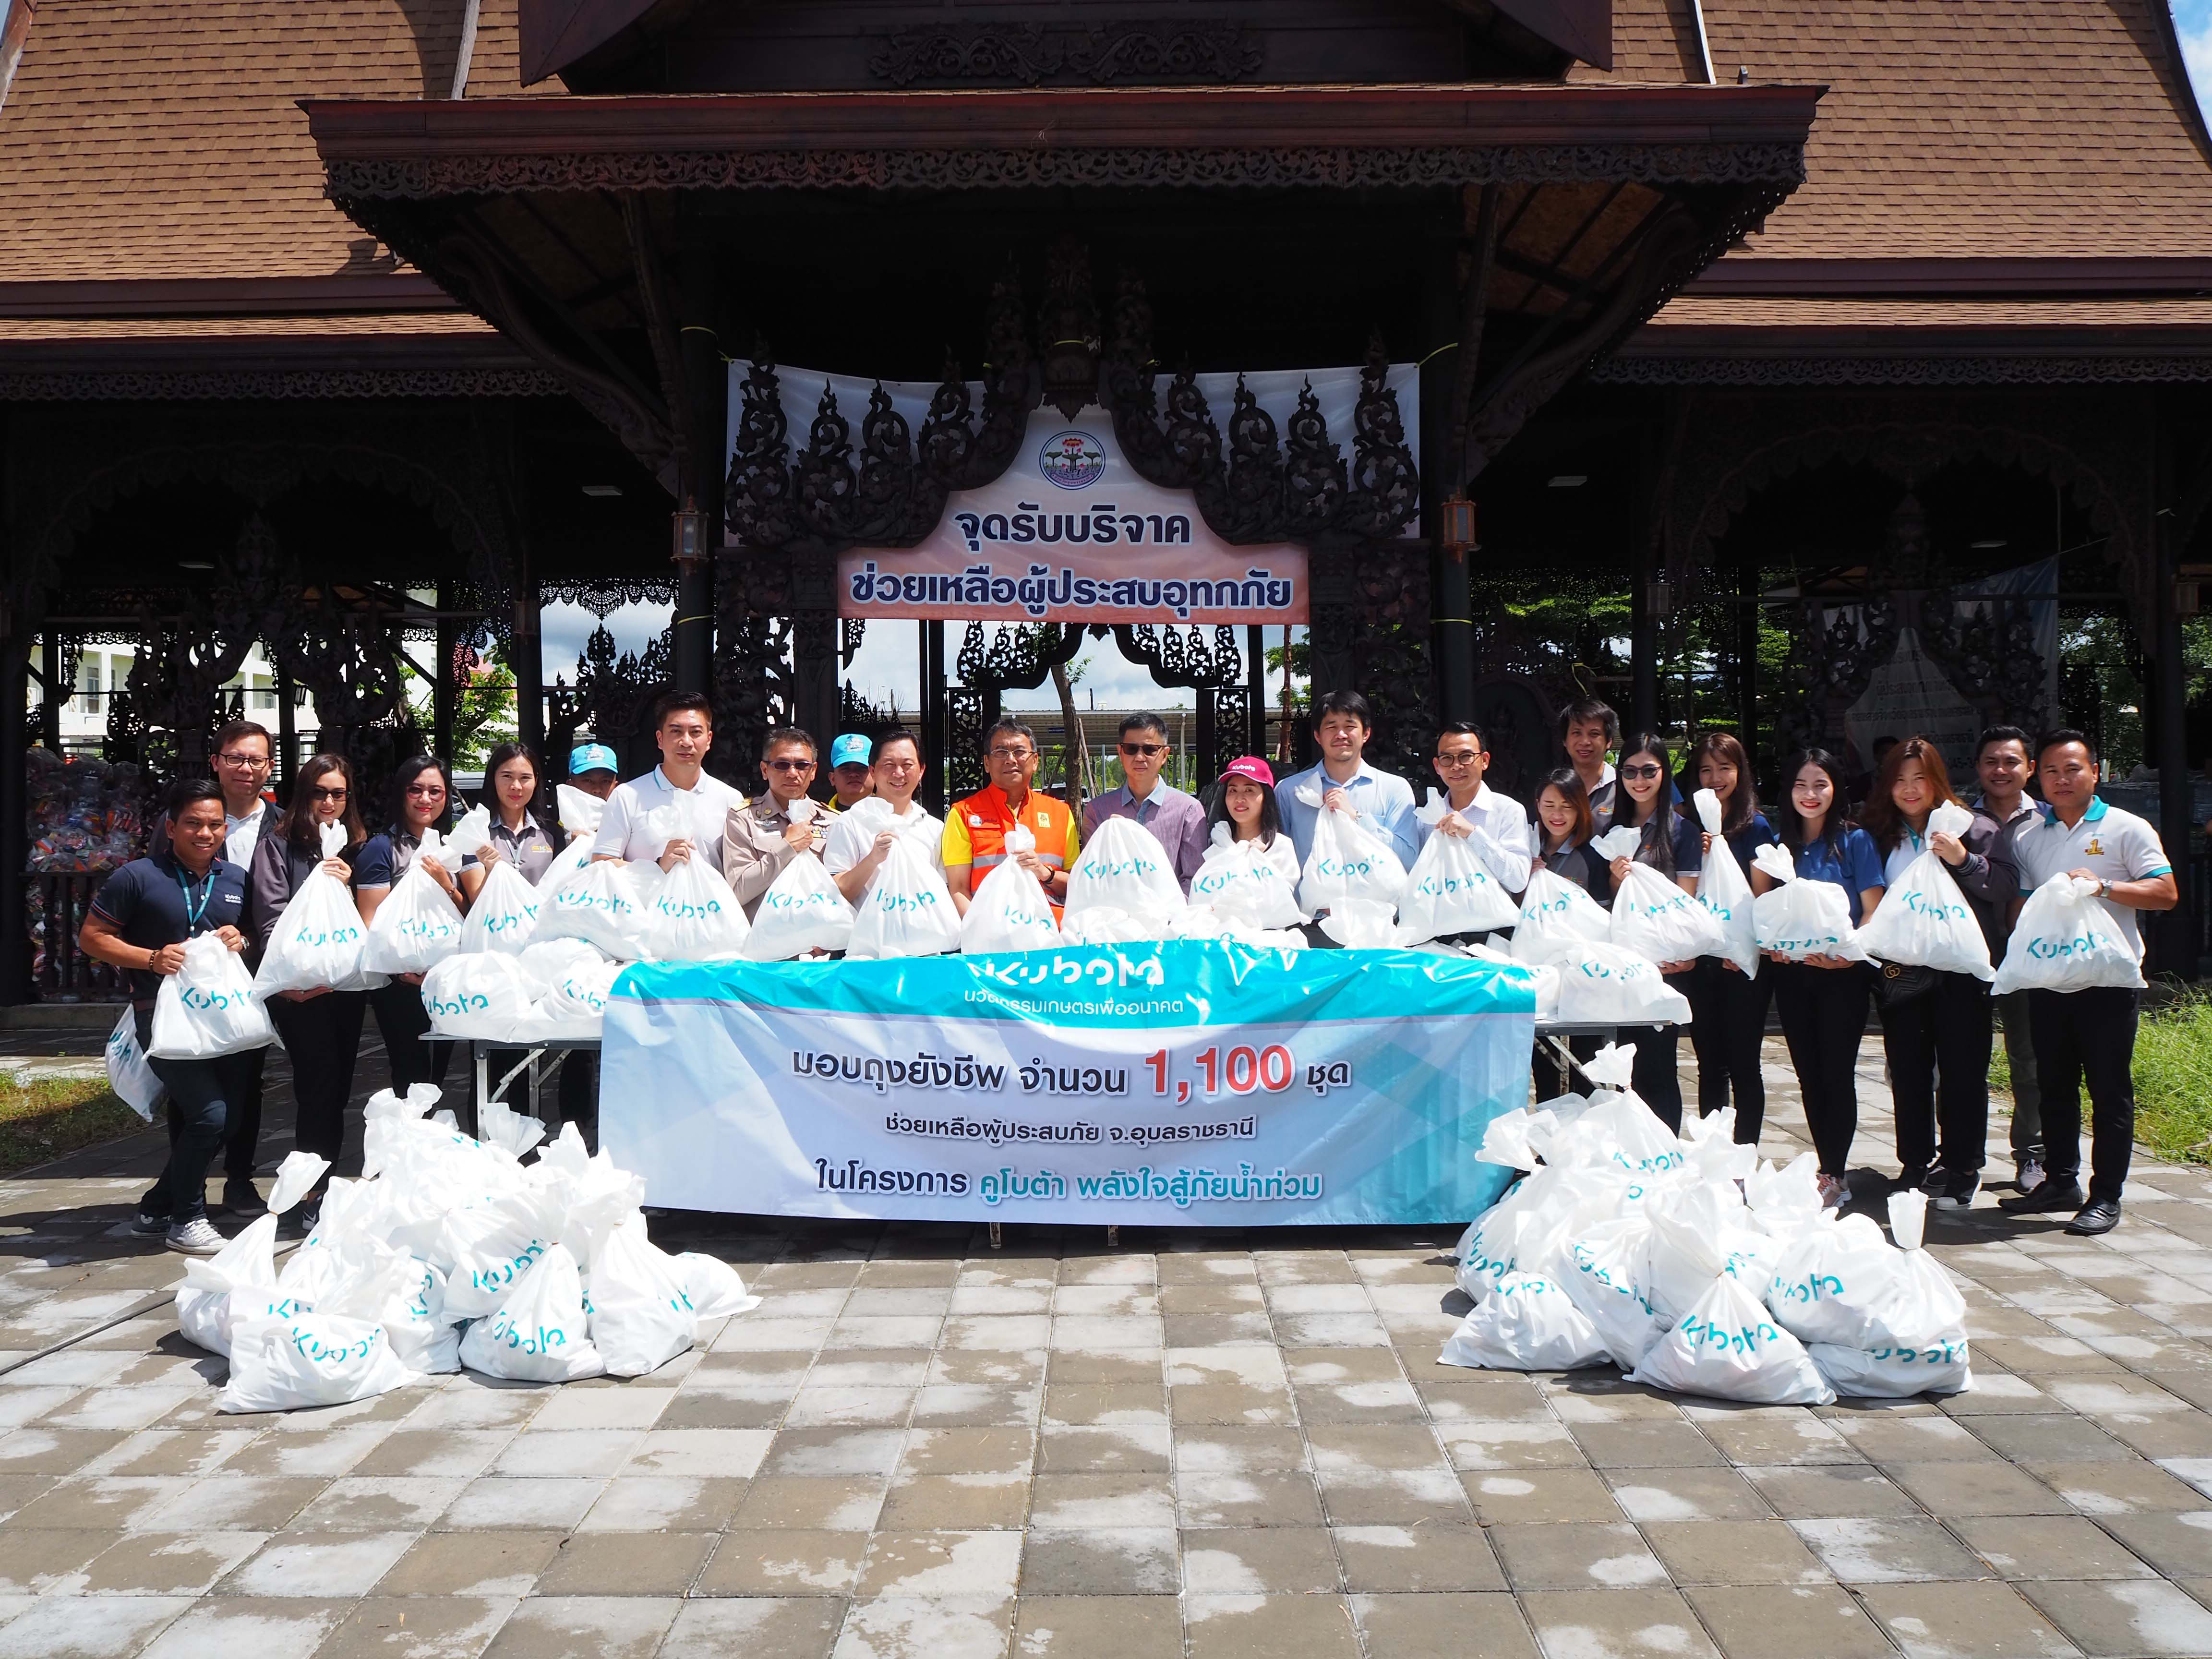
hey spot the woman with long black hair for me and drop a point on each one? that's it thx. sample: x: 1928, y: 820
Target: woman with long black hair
x: 320, y: 1027
x: 1563, y: 827
x: 1822, y: 1001
x: 521, y: 835
x: 1645, y: 799
x: 1727, y: 1007
x: 421, y: 792
x: 1945, y: 1023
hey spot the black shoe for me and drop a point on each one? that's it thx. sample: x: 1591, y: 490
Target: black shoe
x: 242, y: 1198
x: 1911, y: 1179
x: 2100, y: 1217
x: 1955, y: 1190
x: 2049, y: 1198
x: 147, y: 1223
x: 300, y: 1222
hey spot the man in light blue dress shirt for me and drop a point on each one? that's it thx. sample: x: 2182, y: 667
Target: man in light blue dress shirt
x: 1383, y: 801
x: 1176, y: 820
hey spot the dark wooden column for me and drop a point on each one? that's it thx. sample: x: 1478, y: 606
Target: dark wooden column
x: 1256, y: 685
x: 59, y: 679
x: 1443, y: 464
x: 1643, y: 573
x: 14, y: 832
x: 2175, y: 931
x: 287, y: 729
x: 706, y: 392
x: 814, y: 644
x: 1747, y: 616
x: 934, y: 736
x: 444, y: 690
x: 529, y: 654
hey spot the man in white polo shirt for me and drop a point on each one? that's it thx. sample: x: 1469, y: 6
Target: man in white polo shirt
x: 683, y: 727
x: 2089, y: 1033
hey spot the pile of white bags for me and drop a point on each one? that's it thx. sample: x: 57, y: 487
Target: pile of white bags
x: 1691, y: 1266
x: 450, y: 1253
x: 2066, y: 940
x: 1923, y: 919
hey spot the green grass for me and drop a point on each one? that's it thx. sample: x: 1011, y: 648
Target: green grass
x: 43, y: 1118
x: 2173, y: 1076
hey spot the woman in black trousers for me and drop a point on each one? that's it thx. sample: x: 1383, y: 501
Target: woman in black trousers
x: 1563, y: 829
x: 320, y: 1029
x: 420, y: 789
x: 1822, y: 1001
x: 1947, y: 1026
x: 1728, y: 1006
x: 1644, y: 799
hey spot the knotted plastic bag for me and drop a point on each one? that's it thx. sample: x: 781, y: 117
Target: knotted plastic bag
x: 566, y: 864
x: 1449, y: 891
x: 1802, y: 918
x: 207, y: 1008
x: 543, y: 962
x: 600, y: 904
x: 1124, y: 868
x: 580, y: 811
x: 418, y: 926
x: 1346, y: 861
x: 2066, y: 940
x: 320, y: 941
x: 1243, y: 885
x: 578, y: 997
x: 1724, y: 891
x: 802, y: 911
x: 128, y: 1074
x: 1557, y: 916
x: 1009, y: 912
x: 1607, y: 985
x: 694, y: 917
x: 1527, y: 1324
x: 472, y: 833
x: 1727, y: 1347
x: 715, y: 1289
x: 482, y: 996
x: 1895, y: 1373
x: 540, y: 1332
x: 1655, y: 918
x: 504, y: 916
x: 907, y: 911
x: 1924, y: 920
x: 641, y: 1316
x: 1608, y: 1282
x: 491, y: 1246
x: 204, y: 1299
x: 311, y: 1359
x: 1360, y: 925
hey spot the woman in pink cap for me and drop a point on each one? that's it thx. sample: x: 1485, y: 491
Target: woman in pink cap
x: 1245, y: 809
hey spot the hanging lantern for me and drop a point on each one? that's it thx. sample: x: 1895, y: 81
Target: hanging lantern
x: 690, y: 532
x: 1458, y: 515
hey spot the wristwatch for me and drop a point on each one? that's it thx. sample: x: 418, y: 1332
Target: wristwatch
x: 2104, y: 888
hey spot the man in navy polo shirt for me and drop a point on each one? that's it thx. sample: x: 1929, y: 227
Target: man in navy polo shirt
x: 139, y: 922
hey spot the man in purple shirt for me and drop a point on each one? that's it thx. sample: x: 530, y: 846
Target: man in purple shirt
x: 1176, y: 820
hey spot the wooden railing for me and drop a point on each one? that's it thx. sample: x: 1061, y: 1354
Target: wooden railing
x: 58, y: 901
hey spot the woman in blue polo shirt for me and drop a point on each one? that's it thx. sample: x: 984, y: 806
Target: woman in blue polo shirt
x: 1823, y: 1001
x: 420, y: 791
x: 1644, y: 797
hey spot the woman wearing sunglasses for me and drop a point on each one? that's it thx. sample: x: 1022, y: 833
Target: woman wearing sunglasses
x: 1644, y: 799
x: 421, y: 791
x: 320, y: 1029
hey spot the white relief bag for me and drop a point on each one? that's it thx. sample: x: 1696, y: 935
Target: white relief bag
x: 1727, y: 1347
x: 1449, y: 891
x: 204, y: 1299
x: 694, y: 917
x: 580, y: 812
x: 1009, y: 911
x: 1557, y: 916
x: 640, y: 1315
x: 418, y: 926
x: 802, y: 911
x: 1527, y: 1324
x: 599, y: 904
x: 504, y: 916
x: 576, y: 1002
x: 2066, y: 940
x: 128, y: 1074
x: 482, y: 997
x: 1724, y: 891
x: 207, y: 1008
x: 1607, y: 1281
x: 1243, y: 885
x: 1607, y: 985
x: 320, y: 941
x: 487, y: 1246
x: 567, y: 863
x: 472, y: 833
x: 907, y: 911
x: 1924, y: 920
x: 1655, y: 918
x: 1802, y: 918
x: 545, y: 962
x: 1124, y: 868
x: 310, y: 1359
x: 714, y: 1286
x: 1346, y: 861
x: 539, y: 1333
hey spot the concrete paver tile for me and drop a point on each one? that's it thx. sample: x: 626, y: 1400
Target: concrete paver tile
x: 925, y: 1503
x: 2179, y: 1545
x: 1959, y: 1489
x: 2119, y: 1486
x: 585, y: 1627
x: 1100, y: 1561
x: 2049, y: 1439
x: 453, y: 1627
x: 1233, y: 1448
x: 88, y: 1628
x: 1532, y: 1495
x: 503, y: 1501
x: 220, y: 1626
x: 774, y: 1563
x: 1443, y: 1557
x: 1987, y: 1621
x: 626, y: 1564
x: 1861, y: 1552
x: 761, y: 1628
x: 1129, y: 1448
x: 1533, y: 1443
x: 1621, y: 1624
x: 493, y: 1565
x: 940, y: 1627
x: 163, y: 1563
x: 1259, y: 1626
x: 825, y: 1452
x: 1763, y: 1440
x: 1688, y: 1495
x: 968, y: 1451
x: 1734, y: 1552
x: 335, y: 1565
x: 1573, y: 1556
x: 1260, y: 1497
x: 2048, y: 1547
x: 1651, y: 1444
x: 940, y: 1563
x: 1099, y: 1627
x: 1419, y: 1626
x: 2126, y: 1617
x: 1774, y: 1621
x: 1102, y: 1500
x: 1259, y: 1561
x: 1830, y: 1489
x: 830, y: 1502
x: 361, y: 1502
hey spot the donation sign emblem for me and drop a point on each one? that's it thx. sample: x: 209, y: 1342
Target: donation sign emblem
x: 1073, y: 460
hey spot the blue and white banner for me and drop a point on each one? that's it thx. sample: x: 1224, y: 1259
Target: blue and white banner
x: 1194, y: 1082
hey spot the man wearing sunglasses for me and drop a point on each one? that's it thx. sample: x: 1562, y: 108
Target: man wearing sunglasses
x: 1176, y: 820
x: 759, y: 840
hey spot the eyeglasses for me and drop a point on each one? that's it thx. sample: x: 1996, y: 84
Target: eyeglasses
x: 1011, y: 754
x: 789, y: 765
x: 326, y: 794
x: 426, y: 791
x: 1641, y: 772
x: 258, y: 761
x: 1145, y: 749
x: 1462, y: 758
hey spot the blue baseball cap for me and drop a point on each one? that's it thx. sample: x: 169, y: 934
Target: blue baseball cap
x: 851, y: 749
x: 592, y: 757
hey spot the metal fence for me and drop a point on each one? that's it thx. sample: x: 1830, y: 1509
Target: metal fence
x: 58, y: 901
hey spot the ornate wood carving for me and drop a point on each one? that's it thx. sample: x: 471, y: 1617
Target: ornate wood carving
x: 1183, y: 52
x: 611, y: 696
x: 100, y: 384
x: 603, y: 595
x: 753, y: 686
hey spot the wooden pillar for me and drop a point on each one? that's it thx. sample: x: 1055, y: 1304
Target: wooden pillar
x: 934, y: 737
x: 2175, y: 931
x: 288, y: 731
x: 1255, y: 688
x: 529, y: 657
x: 16, y: 988
x: 60, y: 679
x: 1443, y: 472
x: 706, y: 392
x: 1747, y: 617
x: 1642, y: 575
x: 444, y: 691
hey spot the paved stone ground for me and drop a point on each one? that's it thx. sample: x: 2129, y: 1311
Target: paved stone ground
x: 1194, y: 1447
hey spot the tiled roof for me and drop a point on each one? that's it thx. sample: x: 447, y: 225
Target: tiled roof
x: 453, y: 325
x: 2036, y: 128
x: 1954, y: 315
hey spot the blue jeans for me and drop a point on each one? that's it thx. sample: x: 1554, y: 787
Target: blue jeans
x: 201, y: 1093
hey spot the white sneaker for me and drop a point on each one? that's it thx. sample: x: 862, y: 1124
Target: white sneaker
x: 195, y: 1238
x: 2031, y: 1175
x: 1834, y: 1193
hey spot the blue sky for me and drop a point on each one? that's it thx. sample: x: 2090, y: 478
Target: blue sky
x: 2193, y: 20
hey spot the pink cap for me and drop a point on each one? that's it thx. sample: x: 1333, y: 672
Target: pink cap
x: 1252, y: 767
